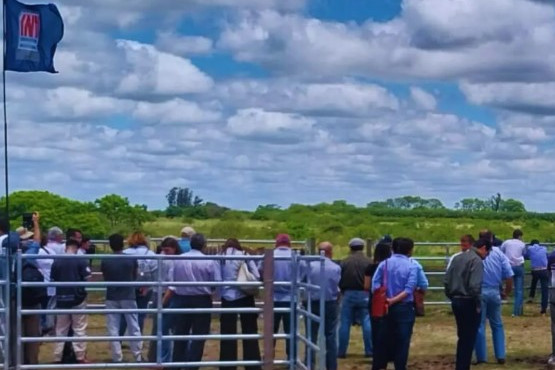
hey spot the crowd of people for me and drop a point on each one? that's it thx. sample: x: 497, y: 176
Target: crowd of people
x: 384, y: 294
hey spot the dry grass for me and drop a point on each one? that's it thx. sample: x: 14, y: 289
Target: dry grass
x: 433, y: 344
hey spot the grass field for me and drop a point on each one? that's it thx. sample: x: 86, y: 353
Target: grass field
x: 433, y: 343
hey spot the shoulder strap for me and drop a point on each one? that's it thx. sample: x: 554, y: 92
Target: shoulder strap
x: 385, y: 274
x: 44, y: 249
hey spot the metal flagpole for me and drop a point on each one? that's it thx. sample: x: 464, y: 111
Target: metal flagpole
x: 8, y: 360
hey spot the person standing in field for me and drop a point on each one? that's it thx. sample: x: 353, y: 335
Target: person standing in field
x: 194, y: 297
x: 355, y: 299
x: 121, y: 297
x: 234, y: 297
x: 332, y: 275
x: 147, y: 270
x: 537, y: 254
x: 282, y: 294
x: 514, y: 249
x: 169, y: 247
x: 71, y: 270
x: 463, y: 286
x: 185, y: 242
x: 496, y: 270
x: 394, y: 331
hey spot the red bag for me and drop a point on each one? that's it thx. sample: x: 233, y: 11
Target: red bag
x: 419, y: 302
x: 379, y: 298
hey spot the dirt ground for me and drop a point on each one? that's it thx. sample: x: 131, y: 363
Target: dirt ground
x: 433, y: 343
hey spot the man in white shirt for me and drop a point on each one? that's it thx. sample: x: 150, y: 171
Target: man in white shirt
x: 514, y: 249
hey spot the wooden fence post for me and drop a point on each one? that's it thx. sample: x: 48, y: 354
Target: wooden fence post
x: 369, y: 247
x: 311, y: 243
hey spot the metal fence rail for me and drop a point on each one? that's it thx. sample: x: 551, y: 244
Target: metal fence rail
x: 294, y: 311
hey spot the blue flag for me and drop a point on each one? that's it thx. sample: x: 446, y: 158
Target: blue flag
x: 32, y: 34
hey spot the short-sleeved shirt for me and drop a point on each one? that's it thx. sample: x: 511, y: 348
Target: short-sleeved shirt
x: 121, y: 269
x: 353, y: 269
x: 68, y: 270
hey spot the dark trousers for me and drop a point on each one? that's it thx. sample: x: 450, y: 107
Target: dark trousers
x: 142, y: 303
x: 331, y: 312
x: 190, y: 324
x: 543, y: 277
x: 249, y: 325
x: 393, y: 336
x: 467, y: 315
x: 286, y: 318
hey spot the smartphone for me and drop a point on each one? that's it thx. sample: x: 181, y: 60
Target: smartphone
x: 28, y: 221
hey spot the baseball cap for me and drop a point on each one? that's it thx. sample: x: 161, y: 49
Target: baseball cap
x: 188, y: 230
x: 356, y: 242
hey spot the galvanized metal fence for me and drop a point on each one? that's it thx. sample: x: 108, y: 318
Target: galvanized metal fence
x: 295, y: 311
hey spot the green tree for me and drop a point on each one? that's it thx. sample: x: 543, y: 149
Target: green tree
x: 512, y: 205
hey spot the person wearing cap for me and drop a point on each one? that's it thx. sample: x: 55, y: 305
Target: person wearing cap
x: 24, y: 234
x: 330, y: 284
x: 282, y: 294
x: 355, y: 299
x: 185, y: 242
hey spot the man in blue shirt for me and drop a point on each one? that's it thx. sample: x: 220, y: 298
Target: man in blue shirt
x: 537, y: 254
x: 282, y: 294
x: 497, y: 269
x: 330, y: 284
x: 185, y: 242
x: 400, y: 275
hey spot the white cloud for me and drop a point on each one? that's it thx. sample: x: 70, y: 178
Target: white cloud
x: 173, y: 111
x: 532, y: 97
x: 349, y: 98
x: 159, y: 73
x: 270, y: 126
x: 183, y: 45
x: 423, y: 99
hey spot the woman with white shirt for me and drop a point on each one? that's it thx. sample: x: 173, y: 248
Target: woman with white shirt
x: 234, y: 297
x: 45, y: 267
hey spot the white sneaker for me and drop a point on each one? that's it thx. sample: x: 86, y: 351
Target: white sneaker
x: 551, y: 361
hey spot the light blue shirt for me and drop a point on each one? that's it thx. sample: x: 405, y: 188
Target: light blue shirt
x: 184, y: 245
x: 195, y: 270
x: 230, y: 271
x: 332, y: 275
x: 142, y: 250
x: 537, y: 254
x: 282, y: 273
x: 421, y: 279
x: 497, y: 268
x: 402, y: 275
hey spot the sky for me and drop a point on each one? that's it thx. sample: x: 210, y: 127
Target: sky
x: 251, y: 102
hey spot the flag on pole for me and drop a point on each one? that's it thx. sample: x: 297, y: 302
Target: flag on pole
x: 32, y: 34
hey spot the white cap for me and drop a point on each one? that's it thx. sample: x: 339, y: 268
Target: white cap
x: 188, y: 230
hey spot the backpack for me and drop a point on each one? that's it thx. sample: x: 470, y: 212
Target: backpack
x: 32, y: 296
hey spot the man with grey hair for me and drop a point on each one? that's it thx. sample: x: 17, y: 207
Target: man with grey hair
x: 54, y: 246
x: 56, y: 240
x: 355, y: 299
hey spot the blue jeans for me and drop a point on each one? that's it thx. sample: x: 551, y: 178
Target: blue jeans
x: 331, y: 310
x: 543, y: 276
x: 518, y: 280
x: 491, y: 309
x: 354, y: 304
x: 142, y: 302
x: 167, y: 345
x: 393, y: 335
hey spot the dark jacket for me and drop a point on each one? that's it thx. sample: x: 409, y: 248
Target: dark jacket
x: 464, y: 276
